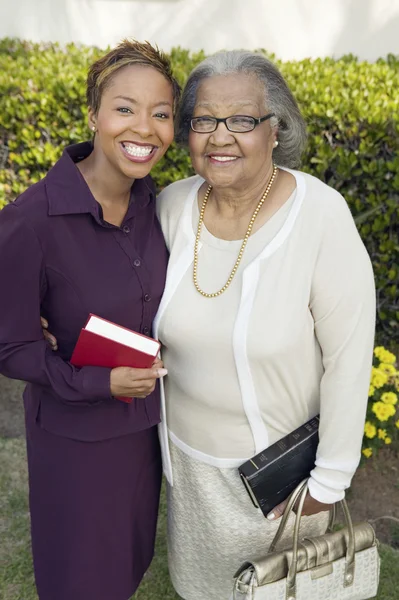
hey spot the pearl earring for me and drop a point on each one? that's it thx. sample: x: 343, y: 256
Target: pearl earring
x: 275, y: 144
x: 93, y: 128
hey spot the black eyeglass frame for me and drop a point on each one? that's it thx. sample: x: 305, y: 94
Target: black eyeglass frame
x: 256, y: 121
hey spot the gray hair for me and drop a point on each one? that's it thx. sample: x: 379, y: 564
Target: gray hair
x: 279, y: 99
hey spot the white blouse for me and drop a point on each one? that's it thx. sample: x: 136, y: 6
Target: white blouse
x: 291, y: 337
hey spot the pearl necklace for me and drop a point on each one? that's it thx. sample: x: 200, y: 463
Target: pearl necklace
x: 243, y: 245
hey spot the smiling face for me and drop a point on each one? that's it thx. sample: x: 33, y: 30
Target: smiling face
x: 134, y: 124
x: 225, y: 159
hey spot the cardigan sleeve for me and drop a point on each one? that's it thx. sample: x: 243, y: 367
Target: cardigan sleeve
x: 24, y: 353
x: 343, y: 308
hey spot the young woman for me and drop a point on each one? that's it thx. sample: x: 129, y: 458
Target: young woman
x: 85, y: 240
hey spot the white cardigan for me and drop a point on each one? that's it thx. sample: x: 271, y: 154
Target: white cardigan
x: 324, y: 278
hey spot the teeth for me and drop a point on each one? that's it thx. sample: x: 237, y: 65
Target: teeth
x: 224, y: 158
x: 139, y: 151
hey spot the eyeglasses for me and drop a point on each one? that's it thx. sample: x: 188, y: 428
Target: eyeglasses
x: 235, y: 124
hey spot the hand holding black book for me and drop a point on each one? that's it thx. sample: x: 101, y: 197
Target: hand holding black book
x: 273, y: 474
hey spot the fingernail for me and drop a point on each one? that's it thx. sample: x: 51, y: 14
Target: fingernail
x: 271, y: 516
x: 162, y: 372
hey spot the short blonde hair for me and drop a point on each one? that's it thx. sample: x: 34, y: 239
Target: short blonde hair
x: 128, y: 52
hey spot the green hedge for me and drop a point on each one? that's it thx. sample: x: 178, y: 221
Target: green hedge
x: 351, y: 107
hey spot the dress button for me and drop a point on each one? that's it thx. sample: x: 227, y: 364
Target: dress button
x: 137, y: 262
x: 147, y: 297
x: 146, y: 330
x: 126, y: 229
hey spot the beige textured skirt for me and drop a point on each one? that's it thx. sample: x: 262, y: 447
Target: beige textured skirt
x: 213, y: 528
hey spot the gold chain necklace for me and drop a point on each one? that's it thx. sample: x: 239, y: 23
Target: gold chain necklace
x: 243, y: 245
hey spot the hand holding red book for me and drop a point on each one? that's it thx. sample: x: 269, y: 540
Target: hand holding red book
x: 105, y: 344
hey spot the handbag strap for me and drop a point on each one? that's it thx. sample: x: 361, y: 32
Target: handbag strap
x: 333, y: 517
x: 299, y: 494
x: 290, y: 505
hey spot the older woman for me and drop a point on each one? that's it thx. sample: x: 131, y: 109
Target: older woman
x: 267, y: 319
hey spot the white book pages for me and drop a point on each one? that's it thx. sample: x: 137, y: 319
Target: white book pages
x: 121, y: 335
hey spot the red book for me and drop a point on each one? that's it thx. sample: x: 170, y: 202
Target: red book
x: 102, y: 343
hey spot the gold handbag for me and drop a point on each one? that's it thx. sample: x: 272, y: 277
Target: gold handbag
x: 340, y: 565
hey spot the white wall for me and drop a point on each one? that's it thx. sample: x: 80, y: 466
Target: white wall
x: 292, y: 29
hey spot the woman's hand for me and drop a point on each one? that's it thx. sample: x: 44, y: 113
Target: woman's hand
x: 125, y: 381
x: 50, y: 339
x: 310, y: 507
x: 136, y: 383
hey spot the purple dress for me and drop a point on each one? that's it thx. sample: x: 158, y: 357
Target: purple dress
x: 94, y: 462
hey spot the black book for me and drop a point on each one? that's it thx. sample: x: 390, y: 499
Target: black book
x: 273, y: 474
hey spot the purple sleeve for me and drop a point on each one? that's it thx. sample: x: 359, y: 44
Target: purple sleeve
x: 24, y: 353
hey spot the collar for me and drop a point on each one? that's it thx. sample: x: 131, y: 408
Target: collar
x: 69, y: 194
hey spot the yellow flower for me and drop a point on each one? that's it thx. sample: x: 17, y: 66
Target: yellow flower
x: 389, y: 398
x: 387, y: 368
x: 383, y: 411
x: 370, y: 430
x: 382, y: 434
x: 371, y: 390
x: 378, y: 378
x: 378, y: 350
x: 367, y: 452
x: 397, y: 423
x: 384, y: 355
x: 388, y: 440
